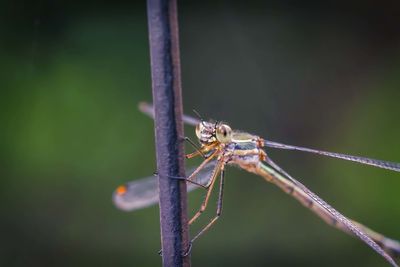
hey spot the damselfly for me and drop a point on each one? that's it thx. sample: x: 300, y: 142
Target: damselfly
x: 221, y: 146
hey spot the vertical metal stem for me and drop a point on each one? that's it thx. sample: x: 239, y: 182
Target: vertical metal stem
x: 167, y: 99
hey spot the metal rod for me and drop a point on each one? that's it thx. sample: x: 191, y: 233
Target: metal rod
x: 167, y: 99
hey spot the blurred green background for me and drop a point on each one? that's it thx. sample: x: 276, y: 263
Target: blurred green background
x: 323, y: 75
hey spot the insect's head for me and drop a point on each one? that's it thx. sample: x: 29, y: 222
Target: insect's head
x: 209, y: 132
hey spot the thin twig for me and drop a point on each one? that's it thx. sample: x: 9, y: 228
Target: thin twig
x: 167, y: 99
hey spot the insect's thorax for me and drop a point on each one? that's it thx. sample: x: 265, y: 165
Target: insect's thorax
x: 242, y: 149
x: 245, y: 150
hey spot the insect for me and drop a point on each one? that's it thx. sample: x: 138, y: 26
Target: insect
x: 221, y: 146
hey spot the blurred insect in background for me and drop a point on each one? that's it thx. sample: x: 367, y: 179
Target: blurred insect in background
x: 221, y: 146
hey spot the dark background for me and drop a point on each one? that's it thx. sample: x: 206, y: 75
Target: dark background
x: 324, y: 75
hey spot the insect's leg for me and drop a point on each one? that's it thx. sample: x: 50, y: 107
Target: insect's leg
x: 219, y: 205
x: 198, y: 169
x: 196, y: 147
x: 192, y: 155
x: 194, y: 173
x: 208, y: 187
x: 189, y: 181
x: 219, y: 167
x: 209, y: 190
x: 201, y: 151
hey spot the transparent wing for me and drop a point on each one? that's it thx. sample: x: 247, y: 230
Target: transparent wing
x: 345, y: 224
x: 143, y: 193
x: 148, y: 109
x: 367, y: 161
x: 394, y: 166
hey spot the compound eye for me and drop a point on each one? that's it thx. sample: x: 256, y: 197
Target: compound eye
x: 199, y: 128
x: 224, y: 133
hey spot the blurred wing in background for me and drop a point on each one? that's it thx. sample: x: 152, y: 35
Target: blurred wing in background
x: 143, y: 193
x: 148, y: 109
